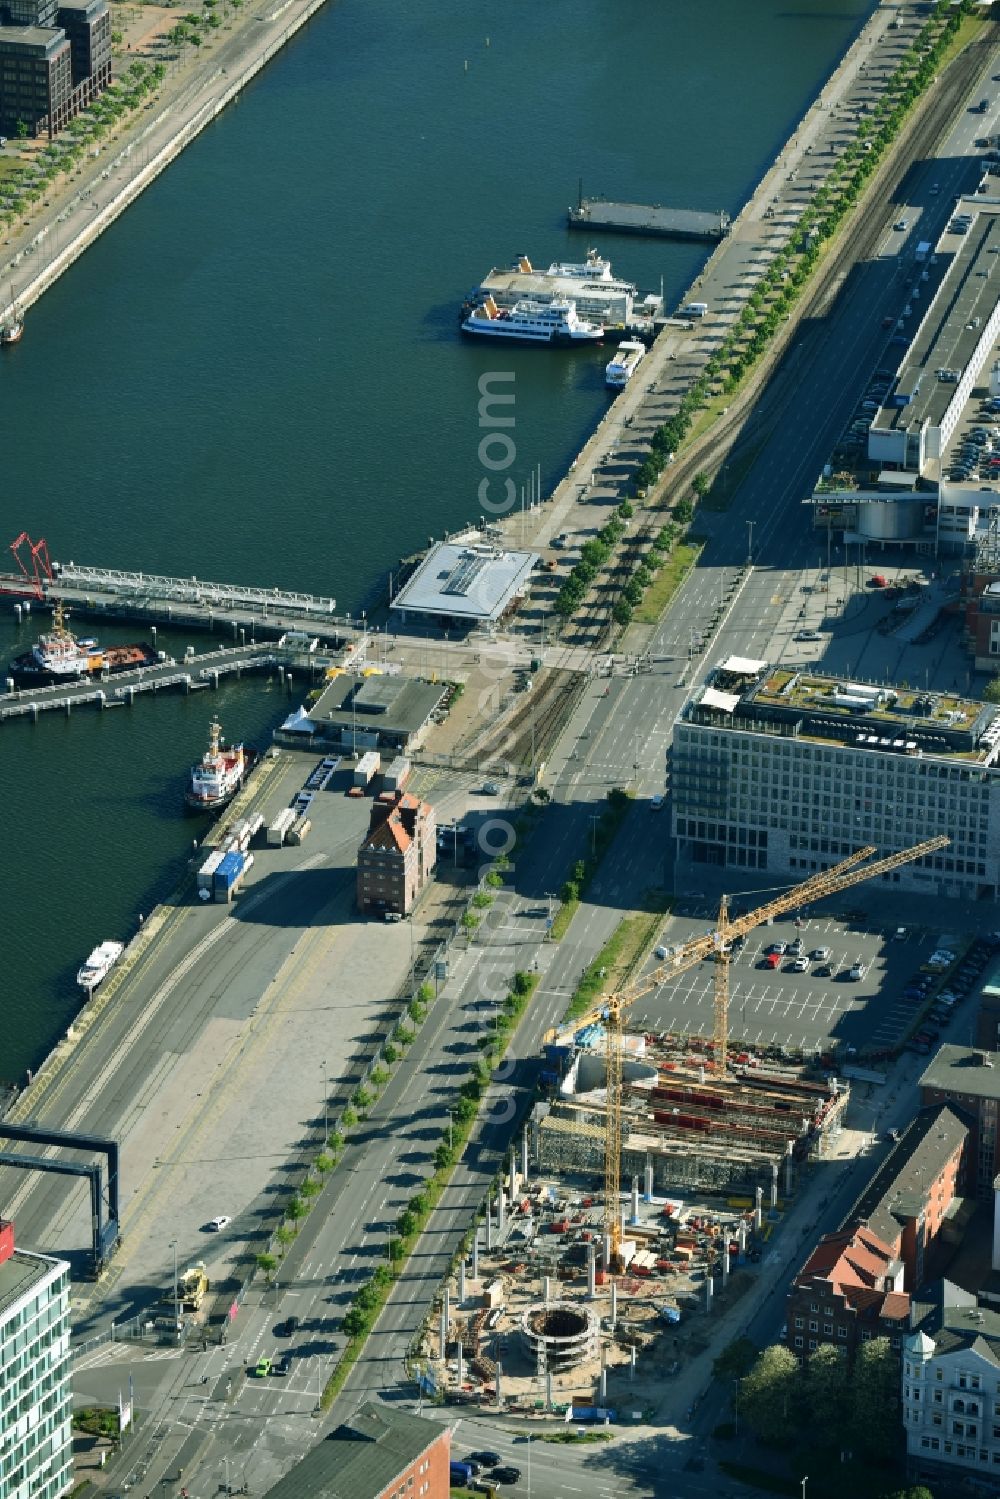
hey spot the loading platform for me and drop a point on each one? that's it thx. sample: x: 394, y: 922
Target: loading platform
x: 648, y: 218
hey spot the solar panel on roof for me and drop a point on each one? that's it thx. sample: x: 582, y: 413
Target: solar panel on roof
x: 465, y: 574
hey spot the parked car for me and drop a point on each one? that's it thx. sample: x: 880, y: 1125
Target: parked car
x: 487, y: 1458
x: 778, y: 947
x: 820, y: 954
x: 218, y: 1224
x: 287, y: 1328
x: 490, y: 788
x: 282, y: 1366
x: 801, y: 965
x: 824, y: 971
x: 506, y: 1474
x: 771, y: 960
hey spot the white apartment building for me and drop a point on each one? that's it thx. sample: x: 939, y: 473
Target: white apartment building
x: 36, y: 1445
x: 788, y: 770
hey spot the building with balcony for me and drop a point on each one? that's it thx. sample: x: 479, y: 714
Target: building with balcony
x: 398, y: 854
x: 951, y: 1388
x: 789, y: 770
x: 36, y: 1444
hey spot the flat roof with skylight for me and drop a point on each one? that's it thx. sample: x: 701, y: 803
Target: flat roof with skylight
x: 468, y: 581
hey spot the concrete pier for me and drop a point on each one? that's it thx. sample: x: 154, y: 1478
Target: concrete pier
x: 648, y: 218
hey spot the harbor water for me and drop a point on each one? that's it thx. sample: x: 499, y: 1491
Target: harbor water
x: 256, y: 374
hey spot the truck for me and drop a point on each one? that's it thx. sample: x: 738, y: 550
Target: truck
x: 192, y: 1288
x: 278, y: 829
x: 922, y: 251
x: 460, y: 1475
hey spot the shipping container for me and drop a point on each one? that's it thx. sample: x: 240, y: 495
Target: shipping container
x: 397, y: 774
x: 367, y: 767
x: 299, y: 831
x: 279, y: 827
x: 207, y: 870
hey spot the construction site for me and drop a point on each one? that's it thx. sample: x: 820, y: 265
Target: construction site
x: 653, y: 1170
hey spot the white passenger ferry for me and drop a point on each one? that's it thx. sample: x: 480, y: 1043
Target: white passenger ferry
x: 600, y: 296
x: 623, y: 366
x: 532, y: 323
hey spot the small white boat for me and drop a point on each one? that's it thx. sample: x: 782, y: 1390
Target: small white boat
x: 99, y: 965
x: 624, y: 364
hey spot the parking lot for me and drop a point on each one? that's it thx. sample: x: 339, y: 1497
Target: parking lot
x: 773, y: 1005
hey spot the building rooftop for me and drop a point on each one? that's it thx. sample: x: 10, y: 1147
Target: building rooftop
x: 947, y: 337
x: 898, y: 1190
x: 962, y: 1070
x: 468, y: 581
x: 20, y: 1274
x: 395, y: 708
x: 360, y: 1459
x: 32, y: 36
x: 754, y: 696
x: 857, y: 1265
x: 955, y: 1319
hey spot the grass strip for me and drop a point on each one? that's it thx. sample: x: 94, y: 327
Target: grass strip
x: 582, y: 872
x: 616, y: 959
x: 370, y: 1298
x: 667, y: 581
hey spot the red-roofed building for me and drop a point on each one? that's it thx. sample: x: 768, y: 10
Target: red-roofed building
x: 398, y: 854
x: 849, y: 1290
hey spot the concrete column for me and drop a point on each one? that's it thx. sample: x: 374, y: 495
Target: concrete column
x: 631, y: 1372
x: 607, y: 1251
x: 547, y: 1289
x: 635, y: 1199
x: 524, y: 1155
x: 475, y: 1254
x: 614, y: 1304
x: 548, y: 1389
x: 461, y: 1282
x: 512, y: 1175
x: 591, y: 1273
x: 649, y: 1181
x: 489, y: 1223
x: 758, y: 1215
x: 445, y: 1318
x: 709, y: 1292
x: 996, y: 1224
x: 725, y: 1260
x: 603, y: 1387
x: 499, y: 1385
x: 774, y: 1184
x: 460, y: 1375
x: 789, y: 1167
x: 741, y: 1235
x: 502, y: 1208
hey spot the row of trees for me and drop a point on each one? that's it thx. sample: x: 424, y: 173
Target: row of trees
x: 192, y: 28
x: 825, y: 1405
x: 66, y: 152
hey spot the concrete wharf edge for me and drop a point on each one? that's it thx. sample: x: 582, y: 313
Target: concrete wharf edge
x: 167, y: 153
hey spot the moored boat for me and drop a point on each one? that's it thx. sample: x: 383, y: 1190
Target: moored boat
x: 532, y: 323
x: 623, y: 366
x: 99, y: 965
x: 219, y: 773
x: 58, y: 657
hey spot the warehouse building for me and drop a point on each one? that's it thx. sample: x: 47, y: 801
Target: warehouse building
x: 788, y: 770
x: 398, y: 854
x: 968, y: 1080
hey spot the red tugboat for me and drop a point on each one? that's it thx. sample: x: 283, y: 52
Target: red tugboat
x: 219, y: 773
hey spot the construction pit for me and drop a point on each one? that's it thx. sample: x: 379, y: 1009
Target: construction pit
x: 533, y: 1323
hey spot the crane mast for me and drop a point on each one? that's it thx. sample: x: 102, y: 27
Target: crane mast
x: 611, y: 1010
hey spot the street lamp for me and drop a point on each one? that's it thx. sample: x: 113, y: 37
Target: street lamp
x: 804, y: 1482
x: 749, y: 540
x: 173, y: 1246
x: 326, y: 1113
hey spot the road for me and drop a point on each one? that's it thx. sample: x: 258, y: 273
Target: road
x: 614, y: 737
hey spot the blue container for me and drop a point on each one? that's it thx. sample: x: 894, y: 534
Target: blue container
x: 229, y: 871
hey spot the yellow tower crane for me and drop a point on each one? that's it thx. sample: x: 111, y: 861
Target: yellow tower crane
x: 611, y: 1008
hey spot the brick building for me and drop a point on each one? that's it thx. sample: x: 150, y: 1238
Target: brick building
x: 381, y: 1453
x: 398, y: 853
x: 849, y: 1290
x: 914, y: 1202
x: 968, y: 1079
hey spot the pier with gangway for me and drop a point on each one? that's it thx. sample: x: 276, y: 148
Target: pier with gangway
x: 193, y: 674
x: 190, y: 603
x: 648, y: 218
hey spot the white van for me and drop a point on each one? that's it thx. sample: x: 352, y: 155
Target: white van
x: 695, y: 309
